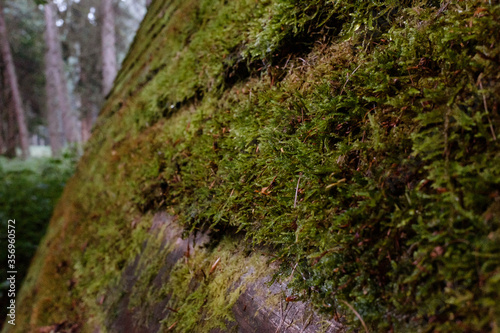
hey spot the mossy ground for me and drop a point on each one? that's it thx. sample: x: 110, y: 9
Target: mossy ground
x: 357, y: 140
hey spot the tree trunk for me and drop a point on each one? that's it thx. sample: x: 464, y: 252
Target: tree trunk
x: 3, y: 110
x: 12, y: 83
x: 108, y: 45
x: 57, y: 89
x: 7, y: 122
x: 53, y: 112
x: 11, y: 132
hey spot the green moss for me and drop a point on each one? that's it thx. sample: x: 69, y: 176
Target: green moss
x: 357, y: 141
x: 205, y: 286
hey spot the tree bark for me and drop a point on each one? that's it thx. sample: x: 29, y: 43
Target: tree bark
x: 108, y: 46
x: 12, y: 82
x: 56, y: 136
x: 57, y: 91
x: 7, y: 122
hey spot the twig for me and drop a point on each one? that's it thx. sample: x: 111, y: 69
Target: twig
x: 442, y: 9
x: 214, y: 266
x: 357, y: 315
x: 348, y: 77
x: 305, y: 62
x: 293, y: 268
x: 171, y: 327
x: 283, y: 316
x: 486, y: 108
x: 297, y: 192
x: 287, y: 60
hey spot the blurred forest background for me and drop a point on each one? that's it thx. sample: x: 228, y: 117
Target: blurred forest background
x: 63, y: 58
x: 58, y: 61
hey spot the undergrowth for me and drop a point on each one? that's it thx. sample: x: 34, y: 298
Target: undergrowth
x: 29, y: 191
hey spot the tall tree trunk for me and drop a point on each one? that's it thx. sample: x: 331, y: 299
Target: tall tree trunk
x: 2, y: 144
x: 108, y: 45
x: 12, y: 82
x: 56, y: 82
x: 56, y: 136
x: 11, y: 132
x: 53, y: 110
x: 7, y: 122
x: 3, y: 110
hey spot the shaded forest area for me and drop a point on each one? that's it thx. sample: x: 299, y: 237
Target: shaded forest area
x: 351, y: 144
x: 59, y: 60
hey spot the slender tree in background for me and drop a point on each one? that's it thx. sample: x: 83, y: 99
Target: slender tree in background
x: 7, y: 135
x: 85, y: 49
x: 14, y: 88
x: 56, y: 82
x: 53, y: 110
x: 108, y: 45
x: 56, y: 136
x: 2, y: 144
x: 26, y: 25
x: 7, y: 119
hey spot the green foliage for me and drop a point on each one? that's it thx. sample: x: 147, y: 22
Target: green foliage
x: 29, y: 191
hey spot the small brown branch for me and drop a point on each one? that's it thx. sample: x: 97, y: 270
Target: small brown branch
x: 172, y: 309
x: 357, y: 315
x: 214, y: 266
x: 348, y: 78
x: 442, y: 9
x: 172, y: 327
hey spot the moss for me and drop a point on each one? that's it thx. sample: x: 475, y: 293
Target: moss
x: 204, y: 287
x: 366, y: 161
